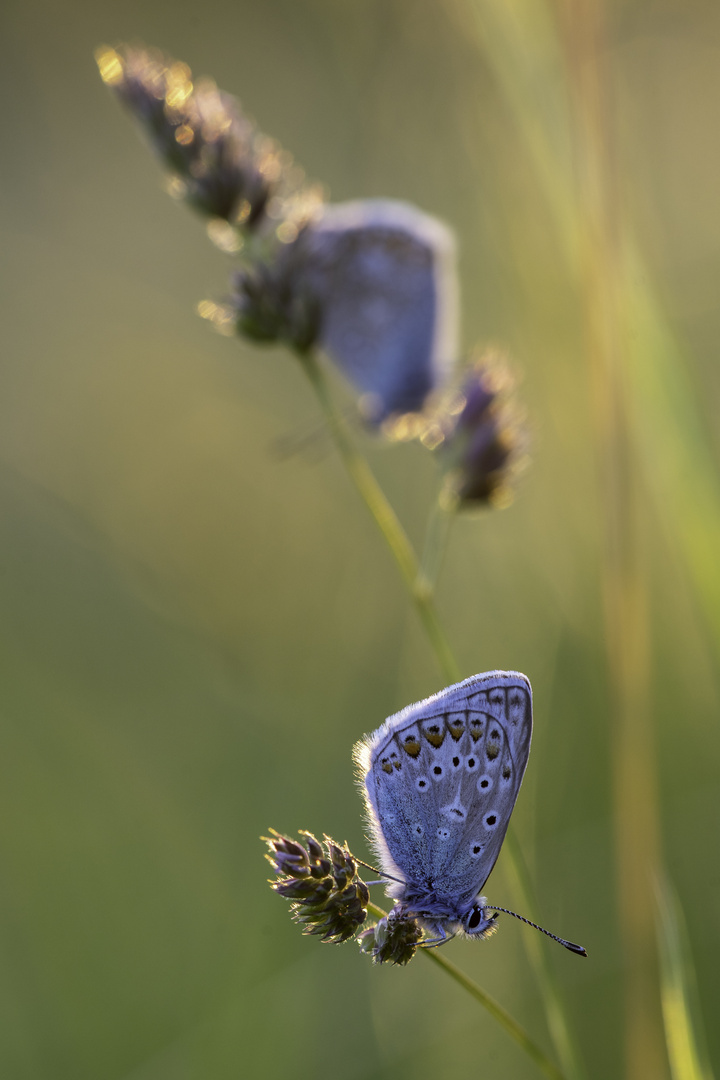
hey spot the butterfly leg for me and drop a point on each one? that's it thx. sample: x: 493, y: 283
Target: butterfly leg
x: 433, y: 943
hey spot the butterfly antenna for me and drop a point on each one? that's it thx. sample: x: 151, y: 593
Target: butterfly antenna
x: 568, y: 944
x: 381, y: 873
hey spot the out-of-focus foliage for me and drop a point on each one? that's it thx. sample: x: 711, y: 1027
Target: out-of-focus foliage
x: 198, y: 620
x: 686, y: 1052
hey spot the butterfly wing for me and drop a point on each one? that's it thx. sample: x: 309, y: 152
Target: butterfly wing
x: 441, y: 779
x: 382, y: 275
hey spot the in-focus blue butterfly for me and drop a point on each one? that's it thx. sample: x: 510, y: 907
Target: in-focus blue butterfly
x: 441, y: 779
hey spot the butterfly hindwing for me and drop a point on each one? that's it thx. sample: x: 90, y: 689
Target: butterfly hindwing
x: 441, y: 780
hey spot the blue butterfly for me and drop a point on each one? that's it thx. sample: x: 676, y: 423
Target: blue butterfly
x: 382, y: 275
x: 440, y: 780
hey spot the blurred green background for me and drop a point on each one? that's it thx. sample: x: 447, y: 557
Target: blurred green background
x: 197, y: 625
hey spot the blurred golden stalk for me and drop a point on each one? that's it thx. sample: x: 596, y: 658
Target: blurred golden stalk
x: 683, y: 1027
x: 520, y: 44
x: 650, y: 441
x: 590, y: 221
x: 601, y: 269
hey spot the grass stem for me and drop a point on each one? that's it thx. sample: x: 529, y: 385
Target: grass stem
x: 386, y: 519
x: 503, y: 1017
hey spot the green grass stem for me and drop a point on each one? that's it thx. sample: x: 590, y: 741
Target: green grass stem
x: 681, y: 1016
x: 503, y: 1017
x: 386, y: 519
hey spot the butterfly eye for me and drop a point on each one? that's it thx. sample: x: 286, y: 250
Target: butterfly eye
x: 474, y: 919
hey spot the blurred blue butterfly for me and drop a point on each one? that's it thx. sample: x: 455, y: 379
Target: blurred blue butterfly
x: 382, y: 275
x: 441, y: 779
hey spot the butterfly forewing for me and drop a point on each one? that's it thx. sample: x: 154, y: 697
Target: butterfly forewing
x: 442, y: 777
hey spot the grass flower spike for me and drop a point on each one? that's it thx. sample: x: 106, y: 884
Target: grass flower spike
x: 327, y: 897
x: 394, y: 939
x: 330, y: 901
x: 481, y: 437
x: 222, y: 165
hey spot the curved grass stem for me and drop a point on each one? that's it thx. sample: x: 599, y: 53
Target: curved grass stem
x: 386, y: 519
x: 503, y: 1017
x: 437, y: 535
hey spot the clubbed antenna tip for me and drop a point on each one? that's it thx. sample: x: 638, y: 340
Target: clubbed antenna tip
x: 578, y: 949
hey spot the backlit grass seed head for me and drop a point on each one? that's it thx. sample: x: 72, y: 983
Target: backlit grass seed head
x: 481, y: 437
x: 269, y: 304
x: 394, y: 939
x: 328, y: 899
x: 221, y: 164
